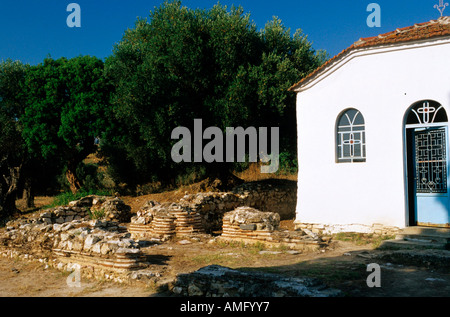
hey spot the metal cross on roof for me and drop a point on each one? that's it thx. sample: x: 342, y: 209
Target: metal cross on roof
x: 441, y: 6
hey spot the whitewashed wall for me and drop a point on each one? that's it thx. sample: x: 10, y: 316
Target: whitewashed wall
x: 382, y: 83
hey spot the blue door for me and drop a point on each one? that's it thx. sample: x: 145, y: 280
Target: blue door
x: 431, y: 176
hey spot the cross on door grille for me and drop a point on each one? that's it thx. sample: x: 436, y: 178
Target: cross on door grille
x: 431, y: 161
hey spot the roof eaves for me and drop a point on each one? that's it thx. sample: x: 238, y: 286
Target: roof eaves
x: 401, y: 35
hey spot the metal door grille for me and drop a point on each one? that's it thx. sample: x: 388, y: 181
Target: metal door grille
x: 431, y: 161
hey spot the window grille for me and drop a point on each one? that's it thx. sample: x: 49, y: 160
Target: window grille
x: 426, y: 112
x: 431, y: 161
x: 429, y: 145
x: 351, y: 137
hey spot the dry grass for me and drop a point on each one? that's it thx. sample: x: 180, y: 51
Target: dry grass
x: 39, y: 202
x: 137, y: 202
x: 253, y: 173
x: 92, y: 159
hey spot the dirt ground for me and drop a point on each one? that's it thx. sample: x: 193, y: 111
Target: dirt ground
x: 343, y: 266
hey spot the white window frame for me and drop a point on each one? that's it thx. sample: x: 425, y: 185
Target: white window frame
x: 350, y: 138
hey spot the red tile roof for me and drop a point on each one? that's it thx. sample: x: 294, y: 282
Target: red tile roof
x: 426, y: 30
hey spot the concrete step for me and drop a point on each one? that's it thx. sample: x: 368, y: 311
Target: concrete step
x: 400, y: 244
x: 418, y: 237
x: 422, y: 238
x: 425, y: 234
x: 428, y: 231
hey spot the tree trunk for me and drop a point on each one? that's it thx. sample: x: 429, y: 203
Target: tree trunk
x: 221, y: 177
x: 72, y: 178
x: 8, y: 207
x: 28, y: 193
x: 8, y: 191
x: 76, y: 158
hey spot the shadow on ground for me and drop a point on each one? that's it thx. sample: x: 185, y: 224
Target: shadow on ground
x: 347, y: 273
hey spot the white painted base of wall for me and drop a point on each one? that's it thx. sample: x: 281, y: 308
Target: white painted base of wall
x: 324, y: 229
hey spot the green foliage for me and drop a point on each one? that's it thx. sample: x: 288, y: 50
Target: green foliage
x: 13, y: 154
x: 10, y: 140
x: 175, y: 66
x: 191, y: 175
x: 182, y: 64
x: 64, y: 198
x: 12, y: 74
x: 11, y: 107
x: 89, y: 175
x: 66, y: 108
x: 97, y: 213
x: 66, y: 102
x: 288, y: 163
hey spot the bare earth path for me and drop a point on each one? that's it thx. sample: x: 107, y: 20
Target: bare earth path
x: 26, y: 279
x: 344, y: 267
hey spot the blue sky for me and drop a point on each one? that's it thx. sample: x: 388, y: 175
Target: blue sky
x: 30, y: 30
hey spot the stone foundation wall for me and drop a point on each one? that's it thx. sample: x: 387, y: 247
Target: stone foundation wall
x: 249, y: 225
x: 65, y: 236
x: 165, y: 221
x: 88, y: 269
x: 89, y: 232
x: 245, y: 224
x: 280, y: 198
x: 323, y: 229
x: 98, y: 207
x: 218, y: 281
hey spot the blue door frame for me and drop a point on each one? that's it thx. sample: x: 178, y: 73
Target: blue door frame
x: 428, y: 175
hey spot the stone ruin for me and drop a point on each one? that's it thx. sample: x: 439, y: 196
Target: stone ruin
x: 241, y: 214
x: 264, y: 196
x: 69, y: 234
x: 106, y: 208
x: 251, y: 225
x: 165, y: 221
x: 101, y: 235
x: 168, y: 220
x: 219, y: 281
x: 275, y: 195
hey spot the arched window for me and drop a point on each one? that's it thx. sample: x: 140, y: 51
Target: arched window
x: 351, y: 137
x: 426, y: 112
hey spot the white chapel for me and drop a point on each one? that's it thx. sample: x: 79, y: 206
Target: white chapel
x: 373, y: 139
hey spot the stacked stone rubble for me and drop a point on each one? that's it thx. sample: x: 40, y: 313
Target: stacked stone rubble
x: 278, y: 196
x: 69, y: 236
x: 97, y: 207
x: 251, y: 225
x: 218, y: 281
x: 103, y: 244
x: 211, y: 206
x: 187, y: 223
x: 165, y: 221
x: 163, y: 224
x: 61, y: 215
x: 104, y: 207
x: 100, y: 245
x: 203, y: 212
x: 249, y: 222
